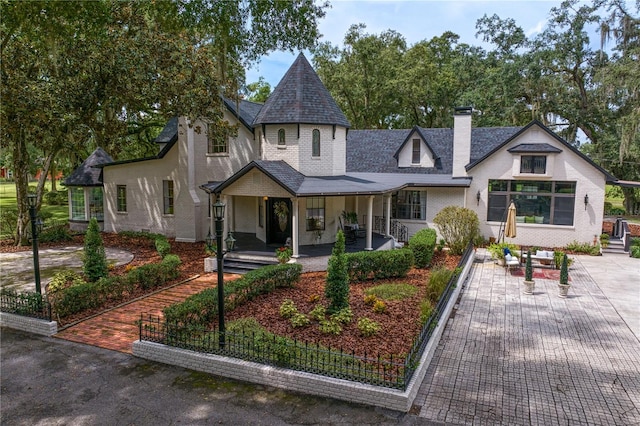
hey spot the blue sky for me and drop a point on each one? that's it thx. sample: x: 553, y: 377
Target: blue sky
x: 415, y: 20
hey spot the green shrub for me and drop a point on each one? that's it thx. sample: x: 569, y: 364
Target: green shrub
x: 77, y: 298
x: 368, y: 327
x: 288, y: 309
x: 458, y: 226
x: 381, y: 264
x: 343, y: 316
x: 162, y: 245
x: 564, y: 271
x: 95, y: 259
x: 300, y: 320
x: 63, y: 279
x: 586, y: 248
x: 55, y: 233
x: 635, y: 252
x: 337, y: 286
x: 635, y: 241
x: 617, y: 211
x: 607, y: 207
x: 202, y: 308
x: 318, y: 313
x: 330, y: 327
x: 438, y: 281
x: 497, y: 249
x: 422, y: 244
x: 55, y: 198
x: 379, y: 307
x: 426, y: 309
x: 156, y: 274
x: 528, y: 270
x: 8, y: 222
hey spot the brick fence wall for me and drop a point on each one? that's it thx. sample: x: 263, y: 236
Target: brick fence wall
x: 31, y: 325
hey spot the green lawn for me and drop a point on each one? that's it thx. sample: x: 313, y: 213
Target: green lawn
x: 8, y: 203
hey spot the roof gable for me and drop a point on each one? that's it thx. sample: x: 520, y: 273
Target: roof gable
x: 410, y: 136
x: 279, y: 171
x: 609, y: 177
x: 89, y: 173
x: 301, y: 98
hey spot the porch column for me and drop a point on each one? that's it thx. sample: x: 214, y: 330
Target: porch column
x: 294, y: 227
x: 387, y: 217
x: 369, y: 222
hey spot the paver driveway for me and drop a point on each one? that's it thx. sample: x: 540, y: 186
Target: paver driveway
x: 516, y: 359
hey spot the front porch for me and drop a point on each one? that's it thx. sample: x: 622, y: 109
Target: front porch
x: 247, y: 243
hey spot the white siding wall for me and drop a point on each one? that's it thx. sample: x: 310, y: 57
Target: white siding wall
x: 567, y: 166
x: 144, y: 195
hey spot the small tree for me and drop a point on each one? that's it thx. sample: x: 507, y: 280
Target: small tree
x: 564, y: 271
x: 337, y: 288
x: 95, y: 259
x: 528, y: 270
x: 458, y: 226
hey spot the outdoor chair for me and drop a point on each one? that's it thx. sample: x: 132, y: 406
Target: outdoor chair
x: 349, y: 233
x: 510, y: 260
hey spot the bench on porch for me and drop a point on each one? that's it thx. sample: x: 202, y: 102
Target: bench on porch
x: 543, y: 257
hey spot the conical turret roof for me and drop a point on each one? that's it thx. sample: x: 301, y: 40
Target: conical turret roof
x: 301, y: 98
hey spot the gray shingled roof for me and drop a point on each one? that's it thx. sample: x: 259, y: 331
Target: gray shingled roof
x: 534, y: 147
x: 86, y: 174
x: 280, y: 171
x: 169, y: 132
x: 248, y: 111
x: 300, y: 97
x: 374, y: 150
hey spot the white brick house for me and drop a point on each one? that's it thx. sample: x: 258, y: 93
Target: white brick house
x: 297, y: 149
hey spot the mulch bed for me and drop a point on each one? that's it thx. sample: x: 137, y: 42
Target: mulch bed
x: 399, y: 323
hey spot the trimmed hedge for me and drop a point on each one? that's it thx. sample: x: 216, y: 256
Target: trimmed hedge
x: 202, y: 308
x: 91, y: 295
x: 423, y: 243
x: 376, y: 265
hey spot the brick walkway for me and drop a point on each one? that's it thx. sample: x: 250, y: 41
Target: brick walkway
x: 117, y: 329
x: 509, y: 358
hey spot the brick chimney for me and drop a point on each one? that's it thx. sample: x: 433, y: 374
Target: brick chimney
x: 461, y: 140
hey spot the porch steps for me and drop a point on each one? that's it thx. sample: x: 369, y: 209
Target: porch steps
x: 615, y: 247
x: 241, y: 263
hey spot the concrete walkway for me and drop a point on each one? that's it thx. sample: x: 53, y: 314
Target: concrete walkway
x: 515, y: 359
x: 16, y: 269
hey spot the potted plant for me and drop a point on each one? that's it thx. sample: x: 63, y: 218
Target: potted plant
x: 283, y: 254
x: 350, y: 218
x: 563, y: 285
x: 529, y: 284
x: 604, y: 240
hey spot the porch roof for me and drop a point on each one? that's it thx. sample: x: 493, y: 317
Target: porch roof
x: 300, y: 185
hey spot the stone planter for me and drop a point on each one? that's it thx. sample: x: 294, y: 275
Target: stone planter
x: 563, y: 290
x: 529, y: 286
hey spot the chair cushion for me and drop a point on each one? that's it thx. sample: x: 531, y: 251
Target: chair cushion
x: 508, y: 257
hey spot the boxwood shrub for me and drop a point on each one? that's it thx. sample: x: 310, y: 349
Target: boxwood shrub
x: 202, y: 308
x: 375, y: 265
x: 423, y: 243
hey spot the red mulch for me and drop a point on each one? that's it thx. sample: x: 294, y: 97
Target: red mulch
x: 399, y: 323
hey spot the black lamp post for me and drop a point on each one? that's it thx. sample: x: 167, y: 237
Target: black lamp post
x: 218, y: 213
x: 34, y: 239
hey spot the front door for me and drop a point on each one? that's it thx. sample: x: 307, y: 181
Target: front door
x: 279, y: 220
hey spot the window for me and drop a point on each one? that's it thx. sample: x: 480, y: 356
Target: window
x: 122, y: 198
x: 536, y: 201
x: 415, y: 158
x: 409, y: 205
x: 167, y: 193
x: 315, y: 144
x: 218, y: 141
x: 96, y: 206
x: 281, y: 139
x: 315, y: 213
x: 536, y: 164
x: 77, y: 204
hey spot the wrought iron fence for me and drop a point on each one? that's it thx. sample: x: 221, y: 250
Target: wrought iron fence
x: 385, y: 371
x: 269, y: 349
x: 32, y: 305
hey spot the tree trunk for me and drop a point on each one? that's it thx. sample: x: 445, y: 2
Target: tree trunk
x: 21, y: 170
x: 629, y: 199
x: 53, y: 176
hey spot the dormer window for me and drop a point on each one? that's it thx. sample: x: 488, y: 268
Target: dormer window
x: 281, y: 138
x: 415, y: 156
x: 534, y: 164
x: 315, y: 143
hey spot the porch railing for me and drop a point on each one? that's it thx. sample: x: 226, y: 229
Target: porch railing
x: 397, y: 230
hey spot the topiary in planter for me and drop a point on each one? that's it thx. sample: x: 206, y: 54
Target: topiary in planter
x: 95, y: 259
